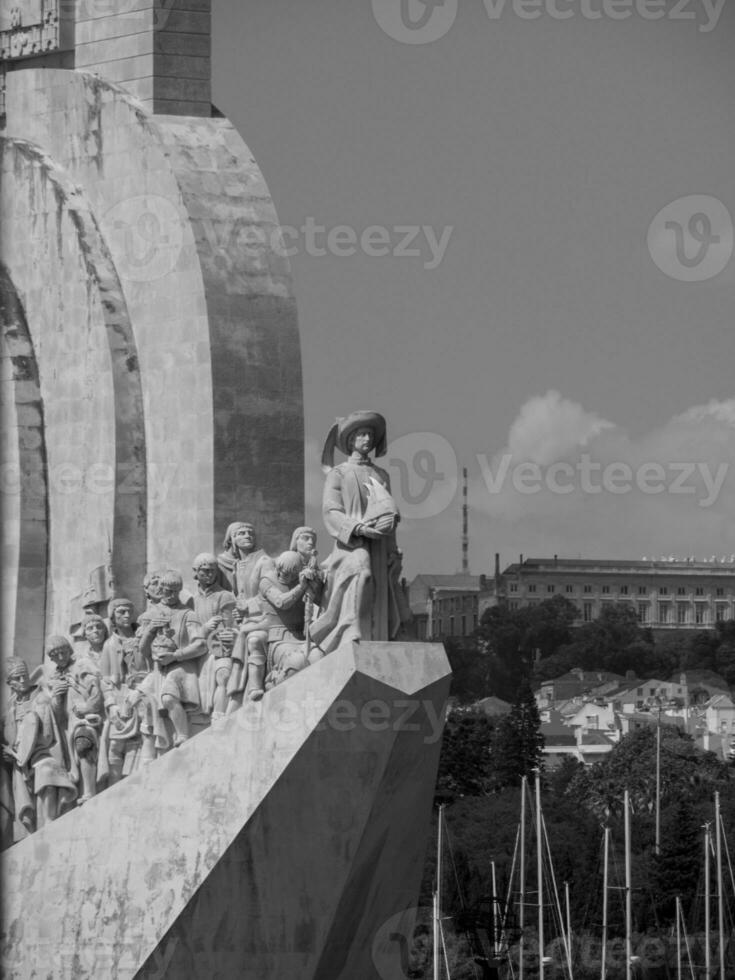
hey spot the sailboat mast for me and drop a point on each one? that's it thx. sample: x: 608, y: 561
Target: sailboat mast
x: 720, y: 894
x: 496, y: 913
x: 437, y: 897
x: 628, y: 904
x: 707, y: 963
x: 678, y: 938
x: 605, y: 860
x: 540, y: 877
x: 522, y: 909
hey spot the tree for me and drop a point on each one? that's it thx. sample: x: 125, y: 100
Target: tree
x: 518, y: 744
x: 464, y: 763
x: 509, y: 640
x: 675, y: 871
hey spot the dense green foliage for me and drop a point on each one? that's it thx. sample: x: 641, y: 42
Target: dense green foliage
x: 537, y: 643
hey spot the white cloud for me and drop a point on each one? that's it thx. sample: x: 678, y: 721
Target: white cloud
x: 549, y: 427
x: 579, y: 485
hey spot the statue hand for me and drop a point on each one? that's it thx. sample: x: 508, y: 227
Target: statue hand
x: 211, y: 625
x: 227, y: 638
x: 385, y: 524
x: 165, y: 657
x: 366, y: 531
x: 8, y: 754
x: 60, y: 687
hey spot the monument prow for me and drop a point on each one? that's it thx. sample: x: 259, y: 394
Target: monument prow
x: 274, y: 844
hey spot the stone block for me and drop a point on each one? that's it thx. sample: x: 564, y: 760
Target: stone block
x: 101, y: 52
x: 169, y: 42
x: 120, y: 25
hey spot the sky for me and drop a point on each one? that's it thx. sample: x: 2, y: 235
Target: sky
x: 510, y: 227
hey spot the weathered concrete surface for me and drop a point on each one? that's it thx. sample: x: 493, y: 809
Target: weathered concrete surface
x: 274, y: 847
x: 190, y: 384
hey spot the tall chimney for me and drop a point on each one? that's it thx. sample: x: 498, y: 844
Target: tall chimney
x: 465, y: 537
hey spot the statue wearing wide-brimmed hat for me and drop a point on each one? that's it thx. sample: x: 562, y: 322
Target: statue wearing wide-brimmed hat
x: 363, y: 598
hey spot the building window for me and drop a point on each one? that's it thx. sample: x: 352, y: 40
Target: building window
x: 623, y: 590
x: 550, y: 588
x: 531, y: 588
x: 513, y: 587
x: 639, y: 692
x: 642, y: 612
x: 642, y: 590
x: 569, y: 588
x: 587, y: 612
x: 474, y: 621
x: 464, y: 626
x: 513, y: 605
x: 588, y: 589
x: 699, y: 590
x: 663, y: 612
x: 451, y: 625
x: 720, y: 612
x: 681, y: 590
x: 606, y: 590
x: 700, y: 613
x: 682, y: 610
x: 663, y: 590
x: 719, y: 591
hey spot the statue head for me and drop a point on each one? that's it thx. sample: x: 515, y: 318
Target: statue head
x: 364, y: 431
x: 95, y: 632
x: 59, y: 650
x: 121, y: 613
x: 288, y: 567
x: 152, y: 586
x: 303, y: 540
x: 205, y: 569
x: 240, y: 538
x: 171, y: 585
x: 16, y: 675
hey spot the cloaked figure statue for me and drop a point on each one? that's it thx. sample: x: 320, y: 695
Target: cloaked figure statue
x: 363, y: 598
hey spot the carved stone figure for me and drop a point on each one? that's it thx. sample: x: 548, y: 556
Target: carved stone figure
x: 34, y: 745
x: 129, y: 734
x: 172, y: 639
x: 243, y: 565
x: 281, y: 625
x: 120, y: 651
x: 215, y: 609
x: 363, y: 598
x: 94, y: 635
x: 74, y: 687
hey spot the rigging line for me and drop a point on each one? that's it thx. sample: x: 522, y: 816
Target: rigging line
x: 727, y: 853
x: 560, y: 920
x: 444, y: 950
x: 448, y: 838
x: 509, y: 899
x: 686, y: 943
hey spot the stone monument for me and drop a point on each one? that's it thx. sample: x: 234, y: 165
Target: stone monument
x: 235, y: 783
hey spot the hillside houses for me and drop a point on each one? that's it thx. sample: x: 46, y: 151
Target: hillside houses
x: 585, y: 713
